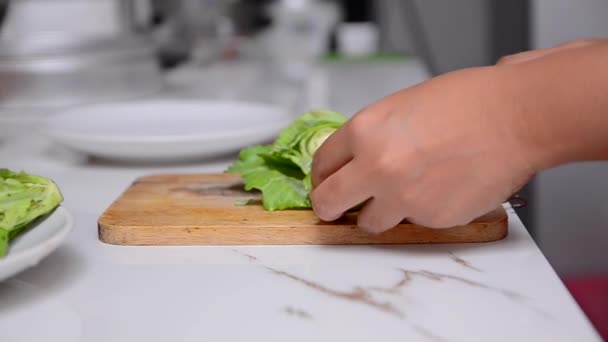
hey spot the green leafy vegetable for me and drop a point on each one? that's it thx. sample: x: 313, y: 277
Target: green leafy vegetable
x: 281, y: 171
x: 23, y: 199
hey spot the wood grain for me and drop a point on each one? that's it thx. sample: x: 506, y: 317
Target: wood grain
x: 199, y: 209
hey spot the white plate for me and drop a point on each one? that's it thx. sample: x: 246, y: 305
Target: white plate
x: 166, y: 130
x: 37, y: 243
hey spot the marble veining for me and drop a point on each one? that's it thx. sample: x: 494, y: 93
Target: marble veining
x: 248, y: 256
x: 463, y: 262
x: 357, y: 295
x: 364, y: 295
x: 426, y: 333
x: 410, y: 275
x: 299, y: 313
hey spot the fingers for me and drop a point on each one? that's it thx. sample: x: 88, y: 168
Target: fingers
x: 339, y: 148
x: 333, y: 154
x: 340, y: 192
x: 379, y: 215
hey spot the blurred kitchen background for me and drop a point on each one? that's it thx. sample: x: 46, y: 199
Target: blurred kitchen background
x: 340, y: 54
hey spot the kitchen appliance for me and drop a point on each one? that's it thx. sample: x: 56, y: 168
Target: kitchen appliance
x: 204, y: 209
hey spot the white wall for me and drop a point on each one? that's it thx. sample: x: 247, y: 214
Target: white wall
x: 456, y: 32
x: 572, y: 201
x: 556, y: 21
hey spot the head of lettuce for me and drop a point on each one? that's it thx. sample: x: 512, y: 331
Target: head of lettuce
x: 281, y: 171
x: 23, y: 199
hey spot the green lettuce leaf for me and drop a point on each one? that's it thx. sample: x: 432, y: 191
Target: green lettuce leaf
x: 23, y: 199
x: 278, y: 190
x: 299, y: 142
x: 249, y: 159
x: 291, y: 136
x: 281, y: 171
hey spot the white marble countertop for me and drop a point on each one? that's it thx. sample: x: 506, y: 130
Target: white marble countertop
x: 89, y: 291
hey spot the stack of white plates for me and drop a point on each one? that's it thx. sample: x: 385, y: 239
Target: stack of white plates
x: 166, y: 130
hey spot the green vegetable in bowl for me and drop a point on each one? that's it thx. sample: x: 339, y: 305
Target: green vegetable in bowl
x: 23, y: 199
x: 281, y: 171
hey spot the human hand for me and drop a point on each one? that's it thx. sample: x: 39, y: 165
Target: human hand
x: 439, y: 154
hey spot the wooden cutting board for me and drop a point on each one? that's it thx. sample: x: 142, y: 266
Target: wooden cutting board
x: 199, y: 209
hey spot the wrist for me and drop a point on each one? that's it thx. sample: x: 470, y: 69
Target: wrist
x: 557, y: 106
x: 525, y: 131
x: 531, y: 124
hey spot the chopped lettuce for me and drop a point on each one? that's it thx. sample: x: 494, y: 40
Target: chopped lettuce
x: 281, y: 171
x: 23, y: 199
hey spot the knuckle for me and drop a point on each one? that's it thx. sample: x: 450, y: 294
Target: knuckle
x: 358, y: 128
x: 389, y: 163
x: 384, y: 164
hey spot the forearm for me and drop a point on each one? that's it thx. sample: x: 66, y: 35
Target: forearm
x: 561, y: 105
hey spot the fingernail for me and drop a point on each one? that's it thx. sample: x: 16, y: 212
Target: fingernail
x: 320, y: 208
x: 322, y: 214
x: 319, y: 212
